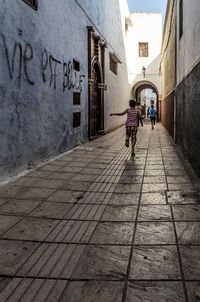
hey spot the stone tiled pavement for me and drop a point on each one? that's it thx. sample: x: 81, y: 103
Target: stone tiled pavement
x: 96, y: 225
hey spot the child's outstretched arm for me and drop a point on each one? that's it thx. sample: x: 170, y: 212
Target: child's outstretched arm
x: 121, y: 113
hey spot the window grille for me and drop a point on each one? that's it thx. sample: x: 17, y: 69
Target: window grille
x: 76, y: 119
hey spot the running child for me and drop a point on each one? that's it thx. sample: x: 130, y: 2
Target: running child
x: 132, y: 123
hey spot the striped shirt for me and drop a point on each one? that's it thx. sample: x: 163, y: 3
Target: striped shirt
x: 132, y: 118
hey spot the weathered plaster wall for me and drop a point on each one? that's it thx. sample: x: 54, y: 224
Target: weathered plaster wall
x: 168, y: 69
x: 189, y: 44
x: 188, y: 121
x: 37, y: 79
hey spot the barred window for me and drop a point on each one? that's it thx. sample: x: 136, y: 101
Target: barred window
x: 32, y: 3
x: 76, y: 119
x: 143, y: 49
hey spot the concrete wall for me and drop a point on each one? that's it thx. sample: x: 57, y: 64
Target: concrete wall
x: 168, y: 68
x: 37, y: 79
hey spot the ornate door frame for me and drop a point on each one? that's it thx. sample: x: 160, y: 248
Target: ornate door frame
x: 96, y: 86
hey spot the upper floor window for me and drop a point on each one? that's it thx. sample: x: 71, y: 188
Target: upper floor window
x: 113, y: 65
x: 32, y: 3
x: 180, y: 18
x: 143, y: 49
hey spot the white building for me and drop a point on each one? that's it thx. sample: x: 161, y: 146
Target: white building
x: 144, y: 40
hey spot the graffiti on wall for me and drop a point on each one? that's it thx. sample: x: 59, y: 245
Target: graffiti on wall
x: 20, y: 59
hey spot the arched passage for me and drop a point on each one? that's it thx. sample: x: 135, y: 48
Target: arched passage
x: 139, y: 87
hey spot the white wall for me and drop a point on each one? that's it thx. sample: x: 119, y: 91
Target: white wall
x: 188, y: 54
x: 147, y: 27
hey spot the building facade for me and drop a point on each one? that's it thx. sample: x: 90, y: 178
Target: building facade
x: 181, y: 72
x: 144, y: 40
x: 62, y: 71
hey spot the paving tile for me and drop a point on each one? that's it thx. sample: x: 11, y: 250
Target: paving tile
x: 154, y: 263
x: 186, y: 212
x: 154, y: 179
x: 128, y: 188
x: 193, y: 289
x: 183, y: 197
x: 154, y: 167
x: 31, y: 229
x: 76, y: 163
x: 124, y: 199
x: 130, y: 179
x: 71, y: 169
x: 155, y: 292
x: 61, y: 175
x: 119, y: 213
x: 153, y: 172
x: 153, y: 198
x: 178, y: 179
x: 95, y: 198
x: 49, y: 167
x: 13, y: 254
x: 7, y: 222
x: 154, y: 212
x: 154, y: 233
x: 10, y: 191
x: 36, y: 193
x: 91, y: 171
x: 160, y: 187
x: 113, y: 233
x: 18, y: 206
x: 84, y: 177
x: 188, y: 232
x: 66, y: 196
x: 28, y: 289
x: 190, y: 262
x: 26, y: 181
x: 176, y: 172
x: 51, y: 210
x: 85, y: 211
x: 77, y: 185
x: 52, y: 261
x: 49, y: 183
x: 103, y: 262
x: 133, y: 173
x: 72, y: 231
x: 178, y: 187
x: 38, y: 173
x: 86, y: 291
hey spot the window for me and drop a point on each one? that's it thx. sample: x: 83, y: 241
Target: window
x: 143, y: 49
x: 180, y: 18
x: 76, y: 98
x: 76, y: 119
x: 32, y: 3
x: 76, y: 65
x: 113, y: 65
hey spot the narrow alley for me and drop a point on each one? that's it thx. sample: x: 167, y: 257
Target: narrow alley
x: 97, y: 225
x: 99, y: 151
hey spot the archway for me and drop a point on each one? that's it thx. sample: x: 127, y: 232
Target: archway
x: 146, y: 102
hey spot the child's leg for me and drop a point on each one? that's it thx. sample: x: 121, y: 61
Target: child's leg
x: 127, y: 136
x: 133, y: 139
